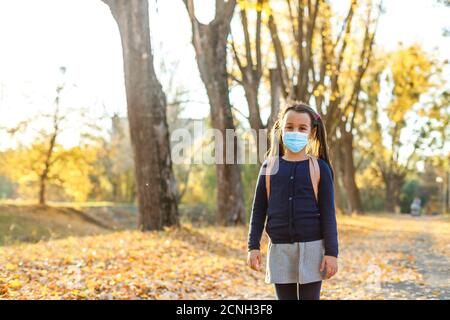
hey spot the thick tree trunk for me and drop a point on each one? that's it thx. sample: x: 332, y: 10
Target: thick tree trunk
x: 230, y: 202
x: 210, y: 42
x: 340, y: 198
x: 348, y: 166
x: 156, y: 186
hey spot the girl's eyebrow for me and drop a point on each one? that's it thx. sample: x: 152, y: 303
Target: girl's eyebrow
x: 301, y: 124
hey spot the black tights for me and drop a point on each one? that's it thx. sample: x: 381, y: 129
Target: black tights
x: 306, y: 291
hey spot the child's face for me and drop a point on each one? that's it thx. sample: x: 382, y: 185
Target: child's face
x: 297, y: 121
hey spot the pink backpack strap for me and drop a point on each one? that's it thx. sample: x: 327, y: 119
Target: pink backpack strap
x: 314, y: 172
x: 270, y: 163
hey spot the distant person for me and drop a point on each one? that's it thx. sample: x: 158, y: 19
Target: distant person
x: 415, y: 206
x: 298, y: 201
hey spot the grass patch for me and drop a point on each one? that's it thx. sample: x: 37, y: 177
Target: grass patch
x: 33, y: 223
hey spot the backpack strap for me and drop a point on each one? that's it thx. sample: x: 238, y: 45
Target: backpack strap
x: 270, y: 163
x: 314, y: 172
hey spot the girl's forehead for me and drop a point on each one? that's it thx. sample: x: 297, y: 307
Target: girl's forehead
x: 296, y: 118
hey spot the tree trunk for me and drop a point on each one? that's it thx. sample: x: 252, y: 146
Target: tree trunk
x: 155, y: 182
x: 251, y: 71
x: 393, y: 185
x: 348, y: 166
x: 251, y: 94
x: 209, y: 42
x: 340, y: 198
x: 42, y: 190
x: 390, y: 198
x: 275, y: 96
x: 231, y: 210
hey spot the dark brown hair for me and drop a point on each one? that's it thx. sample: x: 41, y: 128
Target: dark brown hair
x: 317, y: 145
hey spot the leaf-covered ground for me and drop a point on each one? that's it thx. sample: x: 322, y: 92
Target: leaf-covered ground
x: 381, y: 257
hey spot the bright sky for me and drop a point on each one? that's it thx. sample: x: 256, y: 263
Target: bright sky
x: 37, y: 37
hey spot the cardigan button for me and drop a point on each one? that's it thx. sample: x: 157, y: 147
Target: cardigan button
x: 290, y: 198
x: 292, y: 177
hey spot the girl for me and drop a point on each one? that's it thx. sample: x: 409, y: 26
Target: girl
x: 301, y: 225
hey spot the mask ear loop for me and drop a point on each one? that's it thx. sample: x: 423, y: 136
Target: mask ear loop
x: 309, y: 148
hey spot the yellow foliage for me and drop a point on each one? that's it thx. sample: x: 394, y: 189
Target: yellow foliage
x: 68, y: 170
x: 411, y: 69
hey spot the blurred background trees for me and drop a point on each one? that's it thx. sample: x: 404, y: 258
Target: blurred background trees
x: 386, y: 111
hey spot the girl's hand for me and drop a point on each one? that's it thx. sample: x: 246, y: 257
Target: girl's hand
x: 329, y: 263
x: 254, y: 259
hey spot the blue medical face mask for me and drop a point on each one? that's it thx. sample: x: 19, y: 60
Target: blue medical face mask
x: 295, y: 141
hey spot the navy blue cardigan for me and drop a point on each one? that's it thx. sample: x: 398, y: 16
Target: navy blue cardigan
x: 292, y: 213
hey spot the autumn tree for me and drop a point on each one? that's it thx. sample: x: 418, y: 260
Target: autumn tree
x: 406, y: 75
x: 249, y: 63
x: 39, y: 162
x: 210, y: 44
x: 146, y: 106
x: 317, y: 61
x: 67, y: 177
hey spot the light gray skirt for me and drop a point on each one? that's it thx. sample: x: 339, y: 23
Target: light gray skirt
x: 297, y: 262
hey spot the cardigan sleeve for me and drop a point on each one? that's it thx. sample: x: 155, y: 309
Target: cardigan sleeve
x: 259, y: 210
x: 327, y: 210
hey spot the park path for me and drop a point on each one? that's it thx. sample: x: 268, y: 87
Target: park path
x: 430, y: 248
